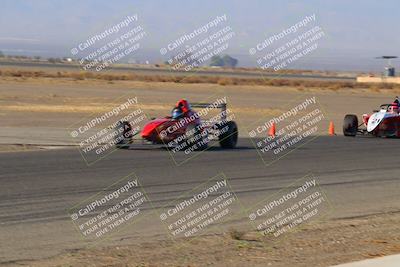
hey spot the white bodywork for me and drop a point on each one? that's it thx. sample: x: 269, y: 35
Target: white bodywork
x: 375, y: 119
x: 378, y: 117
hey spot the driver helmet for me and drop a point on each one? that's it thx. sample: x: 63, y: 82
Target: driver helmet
x: 176, y: 113
x: 395, y: 107
x: 184, y: 105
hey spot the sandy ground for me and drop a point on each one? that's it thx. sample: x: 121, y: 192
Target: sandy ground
x: 316, y: 244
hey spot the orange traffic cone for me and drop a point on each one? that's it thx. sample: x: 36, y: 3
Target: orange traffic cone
x: 331, y: 130
x: 272, y: 130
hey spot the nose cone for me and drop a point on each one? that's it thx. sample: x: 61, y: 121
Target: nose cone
x: 375, y: 120
x: 150, y: 129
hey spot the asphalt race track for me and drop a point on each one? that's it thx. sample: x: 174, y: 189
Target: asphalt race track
x: 359, y: 175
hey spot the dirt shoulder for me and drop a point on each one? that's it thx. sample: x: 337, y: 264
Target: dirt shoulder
x: 6, y: 148
x: 318, y: 244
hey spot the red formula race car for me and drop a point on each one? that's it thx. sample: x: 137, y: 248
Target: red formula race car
x: 183, y: 130
x: 384, y: 122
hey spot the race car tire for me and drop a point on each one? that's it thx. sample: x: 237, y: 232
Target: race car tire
x: 194, y: 138
x: 350, y: 125
x: 228, y: 134
x: 124, y: 134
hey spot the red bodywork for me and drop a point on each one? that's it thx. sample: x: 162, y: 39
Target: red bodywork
x: 164, y: 130
x: 389, y: 127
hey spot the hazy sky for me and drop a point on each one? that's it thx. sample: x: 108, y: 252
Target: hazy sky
x: 359, y: 29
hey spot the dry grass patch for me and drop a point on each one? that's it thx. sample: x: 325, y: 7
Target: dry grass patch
x: 198, y: 79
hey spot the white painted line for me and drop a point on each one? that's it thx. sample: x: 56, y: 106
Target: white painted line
x: 388, y: 261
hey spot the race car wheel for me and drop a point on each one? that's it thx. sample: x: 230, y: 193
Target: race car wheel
x: 228, y: 134
x: 194, y: 138
x: 124, y: 134
x: 350, y: 125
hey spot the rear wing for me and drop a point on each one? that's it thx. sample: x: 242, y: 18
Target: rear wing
x: 221, y: 106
